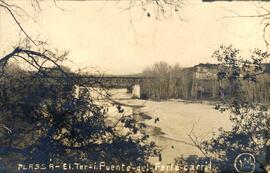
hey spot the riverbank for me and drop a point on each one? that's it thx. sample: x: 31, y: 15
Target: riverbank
x: 176, y: 119
x: 208, y: 102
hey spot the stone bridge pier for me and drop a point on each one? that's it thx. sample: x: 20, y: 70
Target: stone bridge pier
x: 136, y: 91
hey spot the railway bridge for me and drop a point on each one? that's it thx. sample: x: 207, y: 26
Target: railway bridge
x: 130, y: 82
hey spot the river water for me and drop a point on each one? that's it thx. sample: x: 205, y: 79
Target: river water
x: 176, y: 121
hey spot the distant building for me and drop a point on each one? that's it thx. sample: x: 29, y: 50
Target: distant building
x: 205, y: 71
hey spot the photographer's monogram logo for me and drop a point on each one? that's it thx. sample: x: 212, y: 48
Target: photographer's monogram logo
x: 245, y: 163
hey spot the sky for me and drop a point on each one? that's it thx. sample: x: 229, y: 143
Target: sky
x: 104, y: 35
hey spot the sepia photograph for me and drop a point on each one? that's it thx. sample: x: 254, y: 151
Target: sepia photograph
x: 134, y: 86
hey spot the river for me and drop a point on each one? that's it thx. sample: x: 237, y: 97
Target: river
x: 176, y: 120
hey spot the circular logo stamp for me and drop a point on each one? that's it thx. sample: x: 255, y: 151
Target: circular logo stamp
x: 245, y: 163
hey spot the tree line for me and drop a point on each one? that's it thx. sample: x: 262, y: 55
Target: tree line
x: 198, y: 82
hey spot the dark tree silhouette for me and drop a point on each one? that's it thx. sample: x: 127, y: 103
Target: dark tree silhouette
x: 250, y: 120
x: 43, y: 121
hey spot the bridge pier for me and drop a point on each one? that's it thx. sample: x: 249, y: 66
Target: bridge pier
x: 136, y: 91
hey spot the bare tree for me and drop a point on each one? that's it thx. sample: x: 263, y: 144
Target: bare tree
x: 41, y: 120
x: 261, y: 12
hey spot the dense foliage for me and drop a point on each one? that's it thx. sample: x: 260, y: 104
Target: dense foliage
x: 44, y: 121
x: 250, y: 131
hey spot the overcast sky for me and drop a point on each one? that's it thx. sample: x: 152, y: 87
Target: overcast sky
x: 99, y: 34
